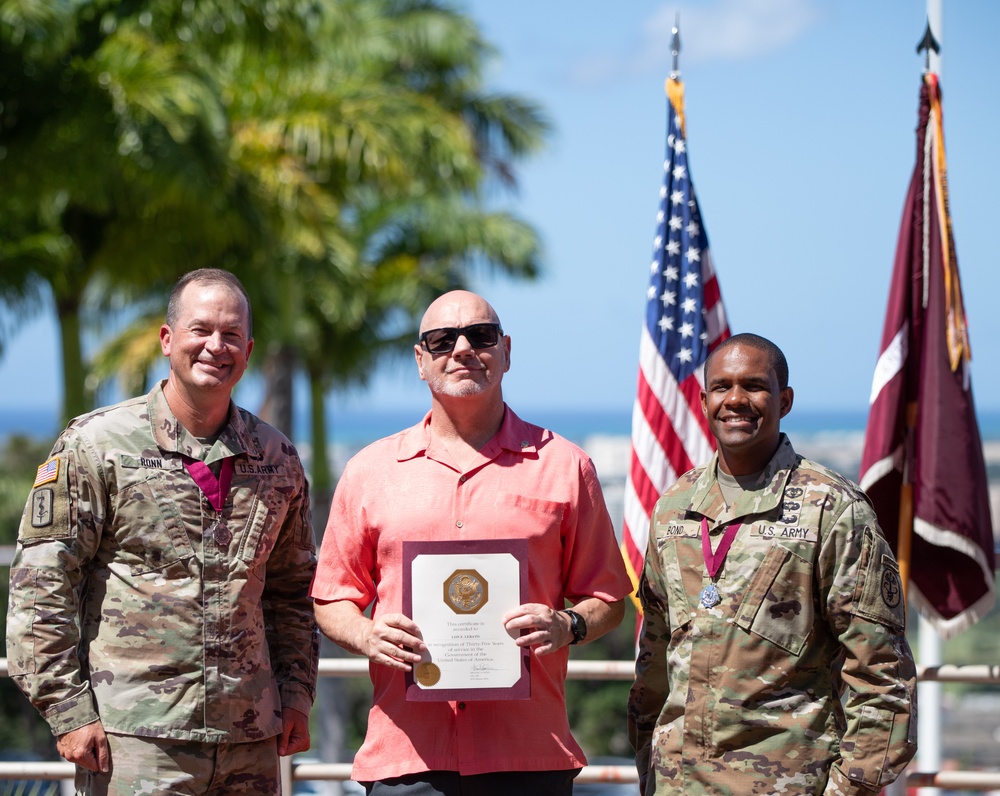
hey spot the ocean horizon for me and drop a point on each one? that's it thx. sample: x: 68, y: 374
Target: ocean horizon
x: 352, y: 427
x: 833, y: 437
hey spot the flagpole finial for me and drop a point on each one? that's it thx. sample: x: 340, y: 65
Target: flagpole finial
x: 675, y: 46
x: 926, y: 44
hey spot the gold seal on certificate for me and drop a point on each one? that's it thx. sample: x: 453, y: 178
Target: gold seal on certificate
x: 466, y: 591
x: 427, y: 673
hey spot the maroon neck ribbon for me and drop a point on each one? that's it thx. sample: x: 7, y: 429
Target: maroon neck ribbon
x: 713, y: 561
x: 215, y: 489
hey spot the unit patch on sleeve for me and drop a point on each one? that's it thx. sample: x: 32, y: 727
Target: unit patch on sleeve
x: 41, y: 508
x: 47, y: 512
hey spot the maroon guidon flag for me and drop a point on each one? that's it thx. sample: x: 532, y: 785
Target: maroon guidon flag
x: 922, y: 426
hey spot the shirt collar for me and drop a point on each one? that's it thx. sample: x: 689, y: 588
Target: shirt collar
x: 514, y: 436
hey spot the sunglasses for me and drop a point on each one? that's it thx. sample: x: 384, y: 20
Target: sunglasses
x: 479, y: 335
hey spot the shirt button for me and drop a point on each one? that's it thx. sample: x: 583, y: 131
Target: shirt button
x: 461, y: 706
x: 463, y: 479
x: 459, y: 524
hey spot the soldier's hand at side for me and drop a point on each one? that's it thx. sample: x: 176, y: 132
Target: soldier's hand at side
x: 294, y: 736
x: 394, y: 640
x: 549, y: 629
x: 87, y: 746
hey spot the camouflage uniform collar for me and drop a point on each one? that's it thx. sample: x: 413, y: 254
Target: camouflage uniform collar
x: 708, y: 501
x: 171, y: 436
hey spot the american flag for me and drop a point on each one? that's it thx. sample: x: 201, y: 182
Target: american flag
x: 49, y: 471
x: 922, y: 442
x: 684, y: 320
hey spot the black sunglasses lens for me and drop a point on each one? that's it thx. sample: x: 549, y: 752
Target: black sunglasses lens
x: 483, y: 335
x: 441, y: 341
x: 479, y: 335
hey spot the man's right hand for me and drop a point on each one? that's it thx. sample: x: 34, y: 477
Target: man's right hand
x: 382, y: 641
x: 394, y: 640
x: 87, y: 746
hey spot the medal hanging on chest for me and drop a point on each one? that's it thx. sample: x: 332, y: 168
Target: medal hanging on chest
x: 215, y: 490
x: 710, y: 596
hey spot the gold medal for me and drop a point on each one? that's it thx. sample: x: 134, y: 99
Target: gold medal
x: 427, y: 673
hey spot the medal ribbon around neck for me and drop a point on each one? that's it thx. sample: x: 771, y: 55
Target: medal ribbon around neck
x: 710, y: 596
x: 215, y: 489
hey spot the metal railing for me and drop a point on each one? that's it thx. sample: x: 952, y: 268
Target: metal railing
x: 577, y: 670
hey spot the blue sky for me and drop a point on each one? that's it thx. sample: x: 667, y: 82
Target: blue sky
x: 800, y: 123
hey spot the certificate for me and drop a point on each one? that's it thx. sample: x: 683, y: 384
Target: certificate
x: 457, y: 593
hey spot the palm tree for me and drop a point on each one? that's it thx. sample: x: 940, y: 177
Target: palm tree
x: 116, y: 150
x: 294, y: 165
x: 402, y: 151
x: 114, y: 147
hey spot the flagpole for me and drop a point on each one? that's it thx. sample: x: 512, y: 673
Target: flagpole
x: 929, y: 693
x: 904, y: 540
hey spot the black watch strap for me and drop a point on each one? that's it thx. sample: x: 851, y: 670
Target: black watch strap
x: 578, y: 625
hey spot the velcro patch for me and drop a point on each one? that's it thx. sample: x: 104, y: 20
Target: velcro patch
x: 47, y: 512
x: 47, y: 473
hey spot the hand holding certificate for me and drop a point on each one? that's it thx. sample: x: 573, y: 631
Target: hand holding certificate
x: 457, y: 594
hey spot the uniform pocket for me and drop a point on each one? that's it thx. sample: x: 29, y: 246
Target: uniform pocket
x: 778, y: 605
x: 148, y: 510
x: 267, y: 518
x: 21, y: 620
x: 879, y: 592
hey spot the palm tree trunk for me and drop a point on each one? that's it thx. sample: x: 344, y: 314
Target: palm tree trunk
x: 278, y: 405
x: 322, y: 481
x: 75, y: 401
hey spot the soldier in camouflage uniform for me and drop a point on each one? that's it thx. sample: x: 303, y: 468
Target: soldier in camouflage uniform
x: 159, y: 612
x: 740, y: 674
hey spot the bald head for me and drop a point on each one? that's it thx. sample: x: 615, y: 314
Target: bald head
x: 458, y: 308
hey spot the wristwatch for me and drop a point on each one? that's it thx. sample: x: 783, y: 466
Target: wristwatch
x: 578, y: 625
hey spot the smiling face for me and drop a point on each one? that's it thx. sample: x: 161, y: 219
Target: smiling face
x: 465, y: 371
x: 208, y: 343
x: 744, y: 404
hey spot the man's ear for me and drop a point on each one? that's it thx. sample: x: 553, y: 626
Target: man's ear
x: 418, y: 354
x: 787, y: 398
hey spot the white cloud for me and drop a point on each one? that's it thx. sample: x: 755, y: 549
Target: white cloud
x: 710, y: 31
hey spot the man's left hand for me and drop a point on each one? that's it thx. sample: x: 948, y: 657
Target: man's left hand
x: 294, y: 732
x: 549, y: 629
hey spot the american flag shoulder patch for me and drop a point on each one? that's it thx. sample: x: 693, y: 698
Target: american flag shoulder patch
x: 47, y: 472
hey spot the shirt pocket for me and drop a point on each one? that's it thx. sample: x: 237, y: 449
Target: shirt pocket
x: 778, y: 604
x: 148, y: 525
x: 530, y: 516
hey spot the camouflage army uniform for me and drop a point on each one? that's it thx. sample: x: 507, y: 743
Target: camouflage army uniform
x: 744, y: 697
x: 193, y: 624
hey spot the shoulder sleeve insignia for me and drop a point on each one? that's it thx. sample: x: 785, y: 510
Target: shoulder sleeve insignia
x: 47, y: 473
